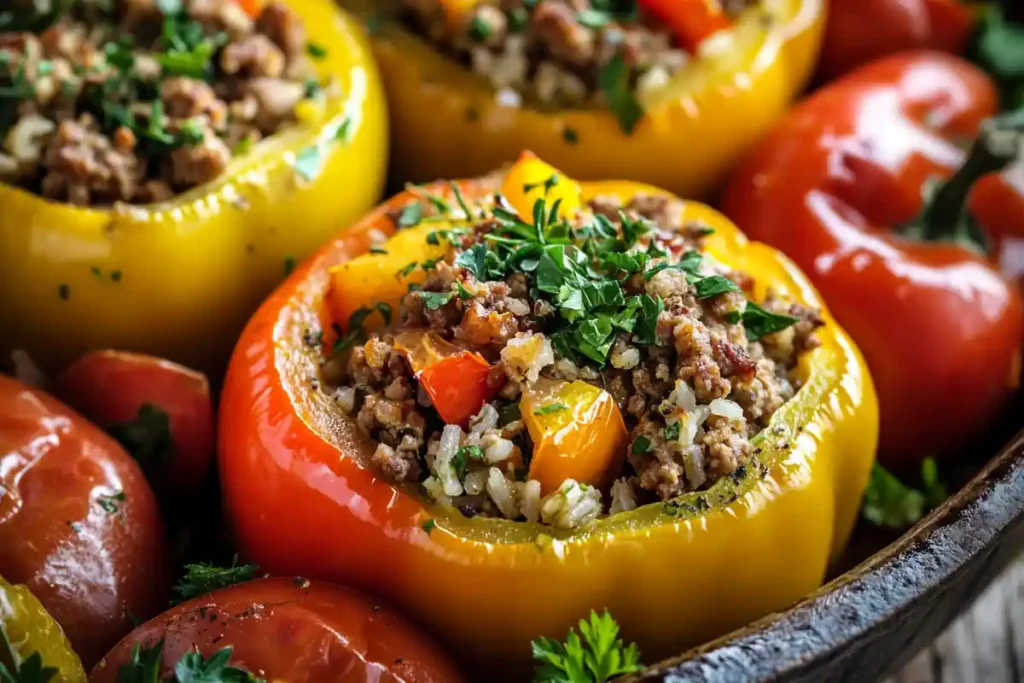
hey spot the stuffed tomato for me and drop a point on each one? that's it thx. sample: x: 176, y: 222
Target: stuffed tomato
x: 669, y: 92
x: 540, y: 397
x: 167, y: 163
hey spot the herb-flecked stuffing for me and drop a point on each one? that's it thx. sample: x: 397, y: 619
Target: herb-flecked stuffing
x: 619, y: 296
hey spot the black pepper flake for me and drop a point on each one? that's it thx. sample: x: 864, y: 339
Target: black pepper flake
x: 115, y: 276
x: 250, y: 249
x: 570, y: 136
x: 96, y: 271
x: 703, y: 505
x: 64, y: 291
x: 398, y: 660
x: 472, y: 114
x: 739, y: 474
x: 301, y: 582
x: 289, y: 265
x: 212, y: 617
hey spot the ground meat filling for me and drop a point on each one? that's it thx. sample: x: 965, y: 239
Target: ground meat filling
x: 135, y: 101
x: 696, y: 368
x: 558, y: 52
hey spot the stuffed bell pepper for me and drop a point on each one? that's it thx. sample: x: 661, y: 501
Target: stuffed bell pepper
x: 164, y: 164
x: 864, y: 185
x: 540, y: 397
x: 669, y: 92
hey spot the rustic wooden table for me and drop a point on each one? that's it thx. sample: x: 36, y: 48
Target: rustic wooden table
x: 986, y: 645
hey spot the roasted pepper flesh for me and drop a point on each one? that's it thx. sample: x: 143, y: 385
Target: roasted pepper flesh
x: 140, y: 278
x: 694, y: 131
x: 30, y: 630
x: 289, y: 464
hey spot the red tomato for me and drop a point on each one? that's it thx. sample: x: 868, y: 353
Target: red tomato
x: 79, y: 525
x: 120, y: 390
x: 860, y: 31
x: 292, y: 630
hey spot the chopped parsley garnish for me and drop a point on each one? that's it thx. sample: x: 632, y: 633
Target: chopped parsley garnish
x: 147, y: 438
x: 616, y: 83
x: 200, y: 579
x: 888, y: 502
x: 429, y: 525
x: 672, y: 431
x: 380, y: 251
x: 714, y: 285
x: 315, y: 50
x: 355, y: 325
x: 435, y: 300
x: 111, y: 504
x: 15, y: 669
x: 641, y: 445
x: 147, y: 663
x: 411, y: 214
x: 289, y: 265
x: 479, y: 29
x: 596, y: 658
x: 759, y: 322
x: 550, y: 408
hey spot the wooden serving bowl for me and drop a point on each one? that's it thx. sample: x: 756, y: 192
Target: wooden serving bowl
x: 873, y: 618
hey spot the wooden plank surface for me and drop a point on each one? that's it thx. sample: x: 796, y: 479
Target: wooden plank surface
x: 986, y: 645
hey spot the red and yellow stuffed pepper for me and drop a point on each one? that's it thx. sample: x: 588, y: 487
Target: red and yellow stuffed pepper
x: 657, y: 388
x: 665, y: 92
x: 845, y: 186
x: 162, y: 176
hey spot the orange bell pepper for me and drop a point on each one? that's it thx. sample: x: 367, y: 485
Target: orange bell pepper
x: 577, y: 432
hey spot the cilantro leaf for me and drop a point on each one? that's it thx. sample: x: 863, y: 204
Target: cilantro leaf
x: 202, y: 578
x: 145, y: 665
x: 672, y: 431
x: 474, y: 260
x: 759, y: 322
x: 147, y: 438
x: 641, y: 444
x: 888, y: 502
x: 597, y: 658
x: 411, y: 214
x: 647, y: 323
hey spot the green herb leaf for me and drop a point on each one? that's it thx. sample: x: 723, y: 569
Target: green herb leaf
x: 597, y: 658
x: 194, y: 668
x: 890, y: 503
x: 27, y: 670
x: 474, y: 260
x: 429, y: 525
x: 641, y: 445
x: 411, y: 214
x: 714, y: 285
x: 759, y: 322
x: 111, y: 504
x: 145, y: 665
x: 550, y: 408
x: 615, y: 82
x: 315, y: 50
x: 647, y: 323
x: 147, y: 438
x: 672, y: 431
x: 435, y: 300
x: 200, y: 579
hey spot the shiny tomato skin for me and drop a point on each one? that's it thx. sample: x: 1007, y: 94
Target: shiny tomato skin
x: 95, y: 561
x: 938, y: 326
x: 109, y: 387
x: 860, y: 31
x: 292, y: 630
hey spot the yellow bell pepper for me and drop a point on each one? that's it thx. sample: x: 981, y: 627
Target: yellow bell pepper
x: 577, y: 432
x: 29, y: 629
x: 179, y: 279
x: 446, y: 121
x: 303, y: 500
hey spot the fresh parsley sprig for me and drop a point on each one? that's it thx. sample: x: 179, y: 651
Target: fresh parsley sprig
x: 598, y: 657
x: 888, y: 502
x: 147, y: 662
x: 200, y: 579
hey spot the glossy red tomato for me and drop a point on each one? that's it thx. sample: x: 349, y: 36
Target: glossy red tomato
x: 292, y: 630
x: 161, y: 411
x: 79, y: 525
x: 860, y: 31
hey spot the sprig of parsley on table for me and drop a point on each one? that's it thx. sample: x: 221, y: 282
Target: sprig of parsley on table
x: 191, y: 668
x: 598, y: 657
x: 14, y: 669
x: 888, y: 502
x: 202, y: 578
